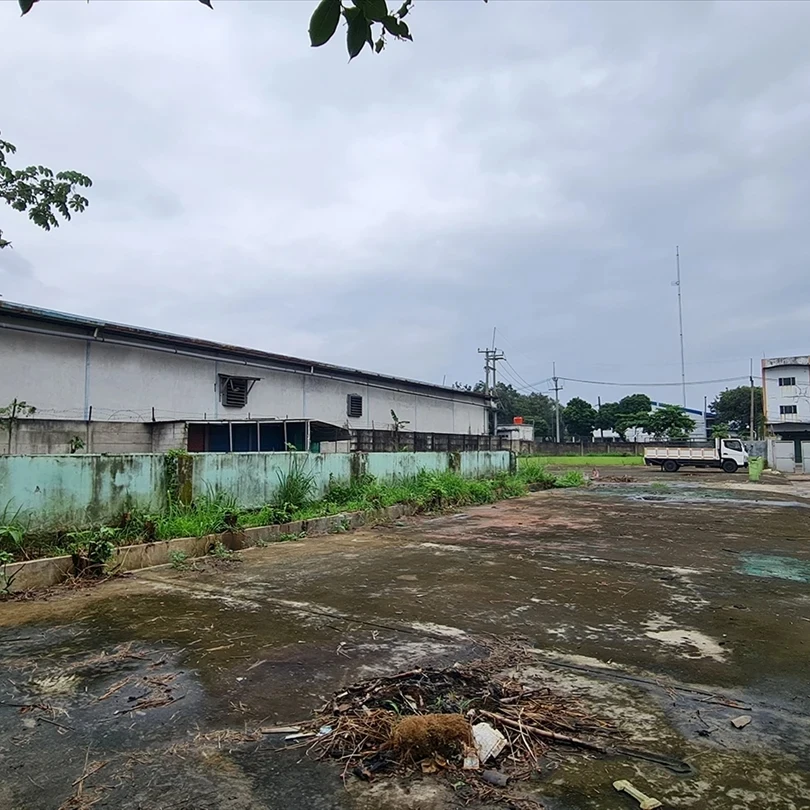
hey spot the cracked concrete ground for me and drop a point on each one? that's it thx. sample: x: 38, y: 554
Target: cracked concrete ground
x: 671, y: 604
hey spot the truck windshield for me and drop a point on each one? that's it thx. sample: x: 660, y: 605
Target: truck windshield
x: 734, y: 444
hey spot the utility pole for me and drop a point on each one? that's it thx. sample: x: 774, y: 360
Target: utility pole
x: 680, y: 321
x: 599, y: 411
x: 706, y: 416
x: 491, y: 357
x: 557, y: 388
x: 751, y: 415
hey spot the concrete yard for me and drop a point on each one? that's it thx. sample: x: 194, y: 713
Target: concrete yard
x: 671, y: 604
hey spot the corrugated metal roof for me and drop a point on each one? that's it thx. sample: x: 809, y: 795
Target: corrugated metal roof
x: 223, y: 350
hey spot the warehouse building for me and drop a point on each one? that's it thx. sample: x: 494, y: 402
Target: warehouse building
x: 145, y: 391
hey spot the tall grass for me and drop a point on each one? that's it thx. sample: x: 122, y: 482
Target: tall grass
x: 294, y: 486
x: 216, y: 512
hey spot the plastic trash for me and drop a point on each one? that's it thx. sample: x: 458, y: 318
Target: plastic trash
x: 489, y: 742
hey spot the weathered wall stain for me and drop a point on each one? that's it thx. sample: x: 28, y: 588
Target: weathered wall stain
x: 78, y: 490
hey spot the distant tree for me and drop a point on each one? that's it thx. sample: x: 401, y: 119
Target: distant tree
x: 733, y: 407
x: 635, y: 403
x: 720, y: 431
x: 669, y: 422
x: 626, y: 421
x: 607, y: 415
x: 40, y: 192
x: 631, y: 411
x: 536, y: 409
x: 579, y: 417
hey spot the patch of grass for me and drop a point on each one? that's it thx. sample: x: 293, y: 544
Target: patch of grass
x: 215, y: 512
x: 582, y: 461
x: 221, y: 552
x: 179, y: 560
x: 573, y: 478
x: 12, y: 532
x: 210, y: 514
x: 294, y: 486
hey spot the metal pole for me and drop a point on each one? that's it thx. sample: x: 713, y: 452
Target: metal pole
x: 706, y: 417
x: 751, y: 415
x: 680, y: 322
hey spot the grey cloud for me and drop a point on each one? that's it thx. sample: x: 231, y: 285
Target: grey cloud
x: 525, y: 165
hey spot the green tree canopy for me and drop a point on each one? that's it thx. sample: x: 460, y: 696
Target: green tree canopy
x: 629, y: 412
x: 635, y: 403
x: 733, y: 408
x: 40, y: 192
x: 669, y: 422
x: 536, y: 409
x: 579, y: 417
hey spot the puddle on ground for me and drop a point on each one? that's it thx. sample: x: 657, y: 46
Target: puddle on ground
x: 724, y: 499
x: 682, y: 493
x: 775, y: 567
x: 690, y: 643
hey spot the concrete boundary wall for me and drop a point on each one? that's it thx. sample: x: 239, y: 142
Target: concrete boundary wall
x: 74, y: 491
x: 45, y: 573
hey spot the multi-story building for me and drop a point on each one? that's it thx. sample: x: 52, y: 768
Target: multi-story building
x: 786, y: 399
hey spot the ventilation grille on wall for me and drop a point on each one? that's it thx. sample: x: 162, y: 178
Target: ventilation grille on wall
x: 234, y: 391
x: 354, y: 405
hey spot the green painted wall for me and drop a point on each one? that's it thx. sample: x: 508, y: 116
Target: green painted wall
x: 54, y: 491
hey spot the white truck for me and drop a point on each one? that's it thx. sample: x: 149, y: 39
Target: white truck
x: 727, y: 454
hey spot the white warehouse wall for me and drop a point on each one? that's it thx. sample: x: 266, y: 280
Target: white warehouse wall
x: 63, y: 377
x: 776, y: 395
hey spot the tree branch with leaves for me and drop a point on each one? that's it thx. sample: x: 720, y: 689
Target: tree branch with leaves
x: 45, y: 195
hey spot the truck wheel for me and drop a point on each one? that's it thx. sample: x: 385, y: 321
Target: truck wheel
x: 670, y: 466
x: 729, y: 465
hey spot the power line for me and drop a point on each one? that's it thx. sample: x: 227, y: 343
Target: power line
x: 535, y: 386
x: 654, y: 384
x: 510, y: 378
x: 516, y: 373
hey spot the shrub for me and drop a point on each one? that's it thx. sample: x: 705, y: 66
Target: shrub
x: 573, y: 478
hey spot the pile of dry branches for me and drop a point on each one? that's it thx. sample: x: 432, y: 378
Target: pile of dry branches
x: 366, y: 727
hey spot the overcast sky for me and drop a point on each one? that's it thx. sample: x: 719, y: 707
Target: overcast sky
x: 524, y: 165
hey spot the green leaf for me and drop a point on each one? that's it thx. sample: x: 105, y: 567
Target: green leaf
x: 324, y: 22
x: 358, y: 34
x: 397, y: 28
x: 391, y: 24
x: 207, y: 3
x: 26, y: 5
x: 375, y: 10
x: 404, y: 9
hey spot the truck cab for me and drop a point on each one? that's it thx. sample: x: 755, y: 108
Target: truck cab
x: 732, y: 450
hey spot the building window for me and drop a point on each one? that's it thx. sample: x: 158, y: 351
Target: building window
x: 784, y: 381
x: 786, y: 409
x: 354, y: 406
x: 233, y: 391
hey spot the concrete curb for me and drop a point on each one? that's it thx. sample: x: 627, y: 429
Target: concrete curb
x: 46, y: 572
